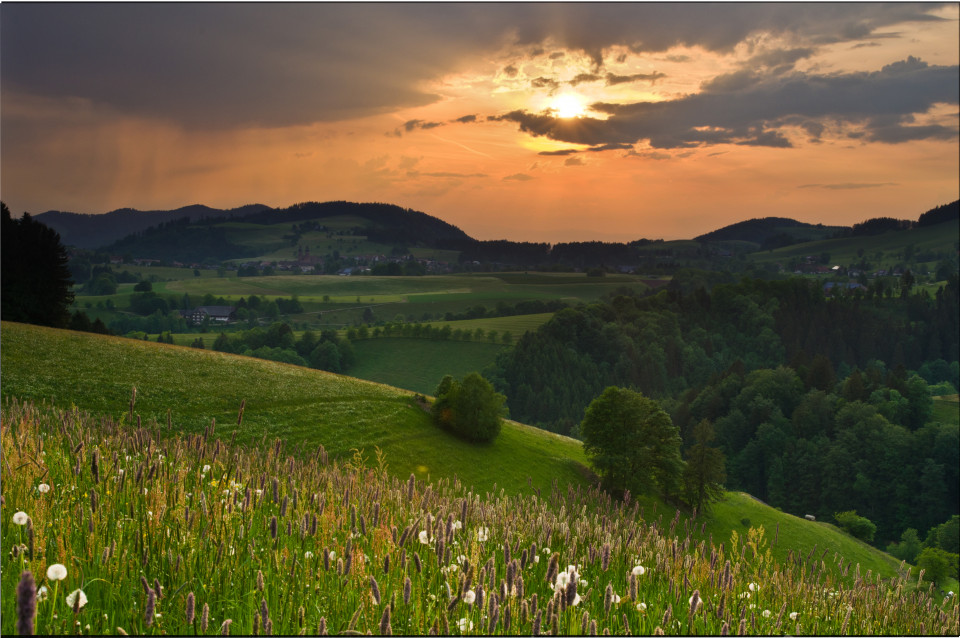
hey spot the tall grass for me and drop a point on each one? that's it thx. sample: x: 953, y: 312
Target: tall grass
x: 189, y: 535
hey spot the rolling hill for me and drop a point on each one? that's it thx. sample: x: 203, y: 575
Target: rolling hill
x: 304, y: 407
x: 307, y: 408
x: 770, y: 230
x: 95, y: 231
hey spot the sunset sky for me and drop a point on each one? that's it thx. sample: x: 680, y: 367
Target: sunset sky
x: 518, y: 121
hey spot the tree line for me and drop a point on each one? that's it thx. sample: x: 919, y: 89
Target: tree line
x: 819, y: 405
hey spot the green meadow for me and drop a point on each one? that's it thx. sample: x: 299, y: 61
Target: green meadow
x: 110, y: 528
x: 304, y: 407
x: 419, y: 364
x: 308, y: 408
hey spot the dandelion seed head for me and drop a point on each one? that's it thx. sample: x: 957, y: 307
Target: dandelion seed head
x: 424, y: 539
x: 639, y: 570
x: 56, y: 572
x: 43, y: 488
x: 75, y: 596
x: 641, y: 607
x: 794, y: 614
x: 21, y: 518
x: 469, y: 596
x: 753, y: 587
x: 766, y: 613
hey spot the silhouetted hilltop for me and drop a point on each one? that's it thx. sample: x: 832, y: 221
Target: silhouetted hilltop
x: 93, y: 231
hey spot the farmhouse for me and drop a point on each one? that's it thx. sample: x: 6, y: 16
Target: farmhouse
x: 222, y: 314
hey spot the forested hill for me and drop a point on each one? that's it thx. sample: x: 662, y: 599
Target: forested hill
x: 95, y: 231
x: 386, y: 223
x: 762, y: 231
x: 808, y: 395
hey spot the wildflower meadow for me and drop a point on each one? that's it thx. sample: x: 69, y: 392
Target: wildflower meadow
x: 113, y: 526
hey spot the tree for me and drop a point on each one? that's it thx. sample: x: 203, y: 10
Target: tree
x: 35, y: 282
x: 908, y: 547
x: 470, y: 409
x: 632, y: 442
x: 937, y: 564
x: 705, y: 472
x: 855, y: 525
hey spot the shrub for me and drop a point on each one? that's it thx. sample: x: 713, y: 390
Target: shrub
x: 855, y: 525
x: 470, y: 409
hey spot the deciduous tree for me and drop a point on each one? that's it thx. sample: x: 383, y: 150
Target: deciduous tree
x: 632, y: 442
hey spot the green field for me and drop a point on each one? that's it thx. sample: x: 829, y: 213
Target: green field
x: 516, y: 325
x: 331, y: 301
x: 304, y: 407
x: 419, y: 364
x: 940, y: 238
x: 946, y: 410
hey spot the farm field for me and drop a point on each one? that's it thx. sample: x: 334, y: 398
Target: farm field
x: 516, y: 325
x: 946, y: 409
x: 336, y: 302
x: 304, y: 407
x: 419, y: 364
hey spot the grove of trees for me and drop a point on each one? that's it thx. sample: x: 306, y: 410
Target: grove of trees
x: 35, y: 280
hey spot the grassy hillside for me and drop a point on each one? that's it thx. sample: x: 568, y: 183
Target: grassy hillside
x: 419, y: 364
x: 302, y: 406
x: 176, y: 536
x: 308, y: 408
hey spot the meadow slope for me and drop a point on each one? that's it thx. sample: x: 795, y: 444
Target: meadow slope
x: 308, y: 408
x: 304, y: 407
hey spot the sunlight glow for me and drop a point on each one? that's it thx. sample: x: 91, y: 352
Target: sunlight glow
x: 568, y: 105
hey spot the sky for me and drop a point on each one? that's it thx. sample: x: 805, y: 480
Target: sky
x: 521, y: 121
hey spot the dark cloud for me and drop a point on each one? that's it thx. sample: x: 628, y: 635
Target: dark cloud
x: 545, y: 83
x: 636, y: 77
x: 518, y: 177
x: 220, y: 65
x: 593, y: 149
x: 510, y: 71
x: 584, y: 77
x: 573, y: 161
x: 749, y: 108
x: 611, y: 147
x: 780, y: 58
x: 411, y: 125
x: 561, y: 152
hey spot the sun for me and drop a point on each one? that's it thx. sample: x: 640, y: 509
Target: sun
x: 568, y: 105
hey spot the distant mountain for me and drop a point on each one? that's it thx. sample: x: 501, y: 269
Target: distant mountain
x: 770, y: 232
x: 386, y: 223
x: 95, y: 231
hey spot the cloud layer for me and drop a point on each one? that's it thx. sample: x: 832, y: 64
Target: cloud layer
x: 238, y: 64
x: 753, y: 107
